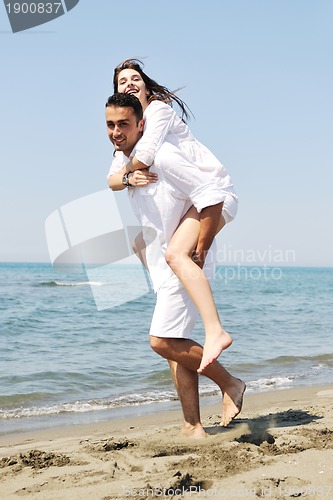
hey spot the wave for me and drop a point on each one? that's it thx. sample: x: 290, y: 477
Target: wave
x: 265, y: 384
x: 71, y: 283
x: 89, y: 406
x: 279, y: 373
x: 82, y: 406
x: 260, y: 384
x: 286, y: 360
x: 324, y: 359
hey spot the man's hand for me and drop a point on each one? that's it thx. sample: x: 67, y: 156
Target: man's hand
x: 210, y: 223
x: 199, y: 257
x: 142, y: 178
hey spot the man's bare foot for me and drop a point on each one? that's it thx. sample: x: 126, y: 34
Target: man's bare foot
x: 214, y: 345
x: 193, y: 431
x: 232, y: 402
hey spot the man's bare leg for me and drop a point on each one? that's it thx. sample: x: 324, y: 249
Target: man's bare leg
x: 179, y: 258
x: 187, y: 385
x: 188, y: 354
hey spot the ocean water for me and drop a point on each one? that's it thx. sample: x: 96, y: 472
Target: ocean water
x: 64, y: 361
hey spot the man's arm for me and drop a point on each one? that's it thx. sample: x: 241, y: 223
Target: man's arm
x: 116, y: 180
x: 135, y: 179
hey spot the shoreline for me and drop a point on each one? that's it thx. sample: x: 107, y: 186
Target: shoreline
x: 282, y: 439
x: 46, y: 423
x: 116, y: 418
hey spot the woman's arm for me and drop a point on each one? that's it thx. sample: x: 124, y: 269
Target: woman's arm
x: 135, y: 164
x: 159, y: 118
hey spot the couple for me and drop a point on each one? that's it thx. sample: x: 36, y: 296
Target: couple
x: 184, y: 205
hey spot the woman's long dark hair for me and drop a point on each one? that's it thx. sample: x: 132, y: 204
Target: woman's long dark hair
x: 156, y: 91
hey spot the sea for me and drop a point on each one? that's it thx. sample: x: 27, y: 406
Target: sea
x: 64, y: 361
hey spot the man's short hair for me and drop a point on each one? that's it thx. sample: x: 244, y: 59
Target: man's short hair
x: 126, y: 101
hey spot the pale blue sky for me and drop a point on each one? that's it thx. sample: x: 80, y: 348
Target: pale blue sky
x: 258, y: 78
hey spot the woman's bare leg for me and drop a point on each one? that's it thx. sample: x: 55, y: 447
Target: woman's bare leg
x: 179, y: 257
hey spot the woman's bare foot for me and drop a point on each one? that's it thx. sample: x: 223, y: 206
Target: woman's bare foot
x: 232, y: 402
x: 214, y: 345
x: 193, y: 431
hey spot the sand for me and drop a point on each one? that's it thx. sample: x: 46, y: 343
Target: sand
x: 280, y: 446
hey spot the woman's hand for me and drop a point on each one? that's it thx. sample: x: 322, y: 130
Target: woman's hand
x: 142, y: 178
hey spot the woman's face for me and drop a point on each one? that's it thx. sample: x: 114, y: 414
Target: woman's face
x: 130, y: 82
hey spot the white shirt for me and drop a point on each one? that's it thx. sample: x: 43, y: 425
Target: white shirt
x: 163, y: 124
x: 159, y: 208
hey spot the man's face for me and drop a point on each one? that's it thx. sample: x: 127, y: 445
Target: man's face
x: 123, y: 129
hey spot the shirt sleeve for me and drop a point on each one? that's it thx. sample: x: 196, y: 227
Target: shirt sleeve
x: 159, y: 119
x: 116, y: 165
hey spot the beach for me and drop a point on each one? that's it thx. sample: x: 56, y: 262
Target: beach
x: 280, y: 446
x: 87, y: 409
x: 60, y: 356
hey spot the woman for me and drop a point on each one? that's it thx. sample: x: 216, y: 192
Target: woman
x: 190, y: 243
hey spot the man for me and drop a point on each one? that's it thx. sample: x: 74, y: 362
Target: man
x: 160, y: 205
